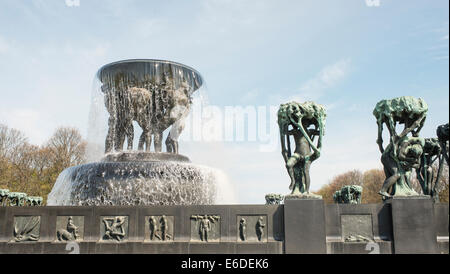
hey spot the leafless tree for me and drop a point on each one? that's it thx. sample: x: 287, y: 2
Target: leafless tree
x: 67, y: 148
x: 10, y: 140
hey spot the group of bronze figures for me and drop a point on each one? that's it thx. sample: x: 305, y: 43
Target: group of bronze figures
x: 8, y: 198
x: 155, y: 106
x: 405, y: 152
x: 349, y: 194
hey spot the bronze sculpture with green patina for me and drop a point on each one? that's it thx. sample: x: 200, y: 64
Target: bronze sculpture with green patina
x: 303, y: 122
x: 404, y: 152
x: 273, y: 199
x: 4, y: 197
x: 8, y: 198
x: 443, y: 136
x: 427, y: 176
x: 349, y: 194
x: 17, y: 198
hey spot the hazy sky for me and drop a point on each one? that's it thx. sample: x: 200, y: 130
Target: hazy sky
x: 346, y: 55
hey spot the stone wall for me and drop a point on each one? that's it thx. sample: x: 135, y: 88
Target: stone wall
x: 299, y: 226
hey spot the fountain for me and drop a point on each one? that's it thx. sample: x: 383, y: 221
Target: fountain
x: 157, y: 95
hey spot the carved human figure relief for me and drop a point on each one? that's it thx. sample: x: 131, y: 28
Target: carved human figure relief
x: 69, y: 228
x: 205, y: 228
x: 114, y: 228
x: 260, y: 225
x: 252, y: 228
x: 159, y: 228
x: 243, y: 229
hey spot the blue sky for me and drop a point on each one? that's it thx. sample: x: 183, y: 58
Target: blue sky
x: 345, y: 55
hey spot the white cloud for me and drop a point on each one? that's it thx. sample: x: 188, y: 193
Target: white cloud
x: 314, y: 88
x: 327, y: 78
x: 439, y: 49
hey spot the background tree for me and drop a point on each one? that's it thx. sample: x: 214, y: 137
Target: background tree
x: 10, y: 140
x: 443, y: 185
x: 372, y: 181
x: 11, y: 148
x: 34, y: 169
x: 67, y: 148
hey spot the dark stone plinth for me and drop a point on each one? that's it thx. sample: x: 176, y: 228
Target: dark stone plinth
x: 144, y: 157
x: 381, y: 229
x: 304, y: 226
x: 413, y: 225
x: 380, y: 215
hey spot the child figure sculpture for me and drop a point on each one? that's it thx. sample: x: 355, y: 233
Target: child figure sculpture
x: 304, y: 122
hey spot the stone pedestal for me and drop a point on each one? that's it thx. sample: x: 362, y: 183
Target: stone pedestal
x: 304, y: 221
x: 413, y: 225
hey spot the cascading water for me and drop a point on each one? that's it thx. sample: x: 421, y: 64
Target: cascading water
x: 135, y: 183
x: 156, y: 95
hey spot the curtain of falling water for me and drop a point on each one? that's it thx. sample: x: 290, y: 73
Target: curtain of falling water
x: 97, y: 124
x: 118, y: 78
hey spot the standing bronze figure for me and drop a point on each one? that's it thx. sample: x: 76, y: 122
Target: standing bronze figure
x: 303, y: 122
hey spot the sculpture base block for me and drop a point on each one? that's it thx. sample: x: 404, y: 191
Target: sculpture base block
x: 413, y: 225
x: 304, y: 226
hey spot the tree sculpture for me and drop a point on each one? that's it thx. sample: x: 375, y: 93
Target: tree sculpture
x: 404, y: 152
x: 303, y: 122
